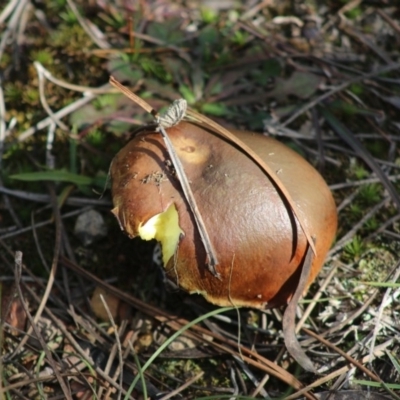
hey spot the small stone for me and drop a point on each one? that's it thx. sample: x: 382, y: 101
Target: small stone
x: 90, y: 227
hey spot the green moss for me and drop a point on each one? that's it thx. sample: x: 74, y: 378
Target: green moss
x: 71, y: 39
x: 375, y: 265
x: 370, y: 194
x: 354, y: 13
x: 354, y: 249
x: 44, y: 56
x: 208, y: 15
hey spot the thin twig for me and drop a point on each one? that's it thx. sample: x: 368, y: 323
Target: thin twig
x: 7, y: 203
x: 105, y: 89
x: 220, y: 342
x: 103, y: 44
x: 71, y: 339
x: 136, y: 99
x: 19, y: 8
x: 337, y: 89
x: 187, y: 384
x: 45, y: 198
x: 33, y: 322
x: 212, y: 259
x: 43, y: 100
x: 381, y: 308
x: 118, y: 343
x: 88, y: 97
x: 289, y: 317
x: 379, y: 351
x: 53, y: 270
x: 349, y: 235
x: 316, y: 297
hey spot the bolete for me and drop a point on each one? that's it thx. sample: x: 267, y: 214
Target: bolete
x: 257, y: 238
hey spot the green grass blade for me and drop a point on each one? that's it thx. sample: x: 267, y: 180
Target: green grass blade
x: 170, y: 340
x: 394, y: 361
x: 382, y: 284
x: 54, y: 176
x: 392, y: 386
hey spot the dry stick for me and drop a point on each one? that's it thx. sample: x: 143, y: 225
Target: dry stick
x: 3, y: 135
x: 354, y: 34
x: 196, y: 332
x: 37, y: 379
x: 336, y: 89
x: 45, y: 198
x: 45, y: 105
x: 349, y: 235
x: 88, y: 96
x: 12, y: 24
x: 353, y: 316
x: 117, y: 340
x: 106, y: 89
x: 53, y: 271
x: 71, y: 339
x: 328, y: 378
x: 289, y: 318
x: 361, y: 182
x: 350, y: 359
x: 43, y: 223
x: 103, y: 44
x: 381, y: 308
x: 18, y: 268
x: 393, y: 24
x: 212, y: 260
x: 246, y: 370
x: 183, y: 387
x: 8, y: 10
x: 175, y: 113
x: 382, y: 227
x: 317, y: 296
x: 146, y: 106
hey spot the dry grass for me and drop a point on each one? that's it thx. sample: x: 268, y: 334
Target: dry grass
x: 92, y: 319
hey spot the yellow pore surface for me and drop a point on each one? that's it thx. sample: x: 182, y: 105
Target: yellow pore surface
x: 164, y: 228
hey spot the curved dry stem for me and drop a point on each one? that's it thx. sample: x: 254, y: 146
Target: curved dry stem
x: 289, y: 318
x: 258, y: 160
x: 172, y: 118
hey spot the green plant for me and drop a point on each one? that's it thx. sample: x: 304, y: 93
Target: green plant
x: 355, y: 248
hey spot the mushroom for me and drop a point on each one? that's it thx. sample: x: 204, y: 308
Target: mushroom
x: 257, y: 238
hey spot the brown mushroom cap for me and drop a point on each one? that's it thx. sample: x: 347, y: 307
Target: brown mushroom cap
x: 259, y: 243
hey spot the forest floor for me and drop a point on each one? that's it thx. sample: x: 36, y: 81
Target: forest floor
x: 323, y: 77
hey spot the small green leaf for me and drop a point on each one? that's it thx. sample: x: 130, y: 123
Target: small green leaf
x: 393, y: 386
x: 216, y: 109
x: 124, y: 70
x: 208, y: 15
x: 300, y: 84
x: 187, y: 94
x: 55, y: 176
x: 382, y: 284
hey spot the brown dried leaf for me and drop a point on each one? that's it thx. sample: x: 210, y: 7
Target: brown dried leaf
x: 98, y: 306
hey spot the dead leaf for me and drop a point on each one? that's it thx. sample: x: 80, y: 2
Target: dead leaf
x: 12, y: 312
x: 98, y: 306
x: 300, y: 84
